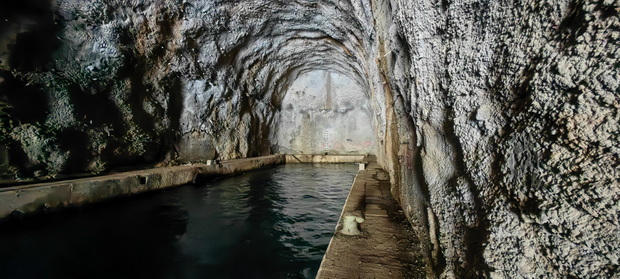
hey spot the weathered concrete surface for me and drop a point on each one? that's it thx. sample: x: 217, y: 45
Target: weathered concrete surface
x: 309, y: 158
x: 386, y: 248
x: 325, y: 111
x: 33, y: 198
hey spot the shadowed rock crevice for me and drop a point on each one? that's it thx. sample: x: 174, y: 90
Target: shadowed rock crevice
x: 29, y: 104
x: 38, y: 26
x: 476, y: 233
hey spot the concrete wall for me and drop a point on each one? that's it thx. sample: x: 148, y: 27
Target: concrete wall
x: 306, y: 158
x: 324, y: 111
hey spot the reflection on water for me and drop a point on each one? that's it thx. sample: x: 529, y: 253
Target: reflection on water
x: 273, y: 223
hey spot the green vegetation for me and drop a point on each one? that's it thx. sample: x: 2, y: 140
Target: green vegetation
x: 6, y: 123
x: 38, y: 142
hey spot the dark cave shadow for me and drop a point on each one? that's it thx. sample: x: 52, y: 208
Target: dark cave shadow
x: 94, y: 110
x: 29, y: 104
x: 76, y: 142
x: 135, y: 69
x: 33, y: 48
x: 96, y: 241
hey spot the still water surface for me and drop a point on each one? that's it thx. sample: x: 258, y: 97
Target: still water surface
x: 273, y: 223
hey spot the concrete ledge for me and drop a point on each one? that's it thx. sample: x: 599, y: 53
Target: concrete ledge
x: 31, y: 198
x: 312, y: 158
x: 353, y: 210
x: 383, y: 245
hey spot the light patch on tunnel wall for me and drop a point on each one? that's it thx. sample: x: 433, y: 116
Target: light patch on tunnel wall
x: 325, y: 112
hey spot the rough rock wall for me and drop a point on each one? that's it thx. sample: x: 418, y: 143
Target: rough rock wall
x: 514, y: 109
x: 89, y: 85
x: 498, y: 120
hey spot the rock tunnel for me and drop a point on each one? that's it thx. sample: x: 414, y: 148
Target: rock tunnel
x: 496, y: 120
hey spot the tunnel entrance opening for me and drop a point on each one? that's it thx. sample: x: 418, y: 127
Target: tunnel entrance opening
x: 325, y: 112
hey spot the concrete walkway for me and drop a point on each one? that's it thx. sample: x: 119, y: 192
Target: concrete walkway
x: 386, y: 246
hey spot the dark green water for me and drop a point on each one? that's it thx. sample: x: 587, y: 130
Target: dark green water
x: 273, y: 223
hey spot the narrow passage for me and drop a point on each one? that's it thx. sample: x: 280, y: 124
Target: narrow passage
x: 387, y: 246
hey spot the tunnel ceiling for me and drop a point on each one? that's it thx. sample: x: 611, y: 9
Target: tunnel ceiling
x: 276, y: 41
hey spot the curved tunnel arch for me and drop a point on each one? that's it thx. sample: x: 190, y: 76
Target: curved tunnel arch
x: 264, y: 59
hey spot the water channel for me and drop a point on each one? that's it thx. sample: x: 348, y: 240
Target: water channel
x: 271, y: 223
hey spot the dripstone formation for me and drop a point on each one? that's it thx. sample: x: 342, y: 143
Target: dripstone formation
x: 498, y: 121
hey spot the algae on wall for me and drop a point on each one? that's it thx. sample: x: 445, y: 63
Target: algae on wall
x: 84, y: 106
